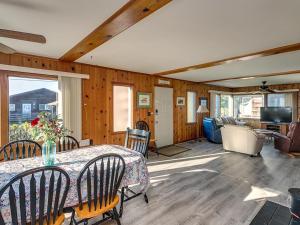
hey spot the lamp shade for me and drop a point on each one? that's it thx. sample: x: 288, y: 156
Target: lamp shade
x: 202, y: 109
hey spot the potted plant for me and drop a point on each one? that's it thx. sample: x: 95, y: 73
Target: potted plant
x: 48, y: 129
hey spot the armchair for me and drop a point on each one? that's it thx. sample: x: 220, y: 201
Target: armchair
x: 212, y: 131
x: 290, y: 142
x: 242, y: 139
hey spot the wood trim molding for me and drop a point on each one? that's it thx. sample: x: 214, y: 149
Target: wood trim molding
x: 4, y: 108
x: 30, y: 75
x: 254, y: 76
x: 268, y: 52
x: 130, y: 14
x: 23, y: 69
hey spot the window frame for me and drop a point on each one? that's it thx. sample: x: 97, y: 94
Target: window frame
x: 5, y: 125
x: 187, y: 107
x: 112, y: 105
x: 4, y: 98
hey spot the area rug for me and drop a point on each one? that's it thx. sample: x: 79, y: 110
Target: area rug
x: 172, y: 150
x: 272, y: 214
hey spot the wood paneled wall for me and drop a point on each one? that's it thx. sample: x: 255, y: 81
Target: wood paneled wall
x: 277, y: 87
x: 97, y: 97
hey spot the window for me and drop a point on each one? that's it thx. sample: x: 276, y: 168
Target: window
x: 225, y: 105
x: 221, y: 105
x: 12, y: 107
x: 280, y: 100
x: 122, y: 107
x: 25, y: 97
x: 191, y: 107
x: 44, y: 107
x: 248, y: 106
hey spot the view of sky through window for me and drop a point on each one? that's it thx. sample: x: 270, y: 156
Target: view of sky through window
x: 20, y: 85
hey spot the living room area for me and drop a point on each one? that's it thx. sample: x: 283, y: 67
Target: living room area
x: 249, y: 117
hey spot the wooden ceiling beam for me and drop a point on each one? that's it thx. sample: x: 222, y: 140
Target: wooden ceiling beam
x: 268, y: 52
x: 254, y: 76
x: 131, y: 13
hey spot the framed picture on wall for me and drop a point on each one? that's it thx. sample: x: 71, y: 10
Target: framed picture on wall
x: 180, y: 101
x: 143, y: 100
x: 203, y: 101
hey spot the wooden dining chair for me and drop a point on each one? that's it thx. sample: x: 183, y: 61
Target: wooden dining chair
x: 20, y: 149
x: 67, y: 143
x: 99, y: 181
x: 142, y: 125
x: 36, y: 196
x: 138, y: 140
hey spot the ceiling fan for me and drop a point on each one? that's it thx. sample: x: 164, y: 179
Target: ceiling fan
x: 264, y: 88
x: 19, y: 36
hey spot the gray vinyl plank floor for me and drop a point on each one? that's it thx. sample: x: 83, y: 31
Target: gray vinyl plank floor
x: 208, y: 186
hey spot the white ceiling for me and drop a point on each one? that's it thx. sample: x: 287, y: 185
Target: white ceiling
x: 189, y: 32
x: 182, y: 33
x: 284, y: 79
x: 63, y: 23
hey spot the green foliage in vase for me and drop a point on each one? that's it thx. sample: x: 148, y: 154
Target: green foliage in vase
x: 20, y: 132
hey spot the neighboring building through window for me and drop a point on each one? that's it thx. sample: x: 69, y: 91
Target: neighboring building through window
x: 26, y: 95
x: 248, y: 106
x: 191, y: 107
x: 122, y: 107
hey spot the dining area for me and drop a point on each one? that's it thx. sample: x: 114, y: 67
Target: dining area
x: 59, y: 182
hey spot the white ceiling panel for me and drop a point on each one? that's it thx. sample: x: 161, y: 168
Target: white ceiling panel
x: 284, y: 79
x: 264, y: 65
x: 63, y: 23
x: 189, y: 32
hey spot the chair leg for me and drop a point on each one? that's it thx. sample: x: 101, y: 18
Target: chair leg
x: 146, y: 198
x: 116, y: 216
x: 72, y: 217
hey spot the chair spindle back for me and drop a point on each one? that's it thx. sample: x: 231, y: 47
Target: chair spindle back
x: 36, y: 196
x: 137, y: 140
x: 102, y: 177
x: 20, y: 149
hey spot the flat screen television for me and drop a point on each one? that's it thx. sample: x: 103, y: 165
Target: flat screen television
x: 276, y: 114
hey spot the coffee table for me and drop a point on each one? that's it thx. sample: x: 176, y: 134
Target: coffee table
x: 267, y: 133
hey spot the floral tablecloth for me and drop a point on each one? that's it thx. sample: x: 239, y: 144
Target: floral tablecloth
x: 72, y: 162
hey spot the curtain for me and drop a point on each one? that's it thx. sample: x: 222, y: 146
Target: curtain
x: 69, y: 107
x: 295, y: 104
x: 214, y: 104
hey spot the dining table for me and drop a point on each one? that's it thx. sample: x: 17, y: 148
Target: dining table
x: 136, y: 172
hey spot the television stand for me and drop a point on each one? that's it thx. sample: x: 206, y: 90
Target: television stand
x: 281, y: 128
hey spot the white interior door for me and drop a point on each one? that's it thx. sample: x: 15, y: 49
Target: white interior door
x: 163, y: 116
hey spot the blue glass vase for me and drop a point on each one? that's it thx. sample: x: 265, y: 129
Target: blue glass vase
x: 49, y: 153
